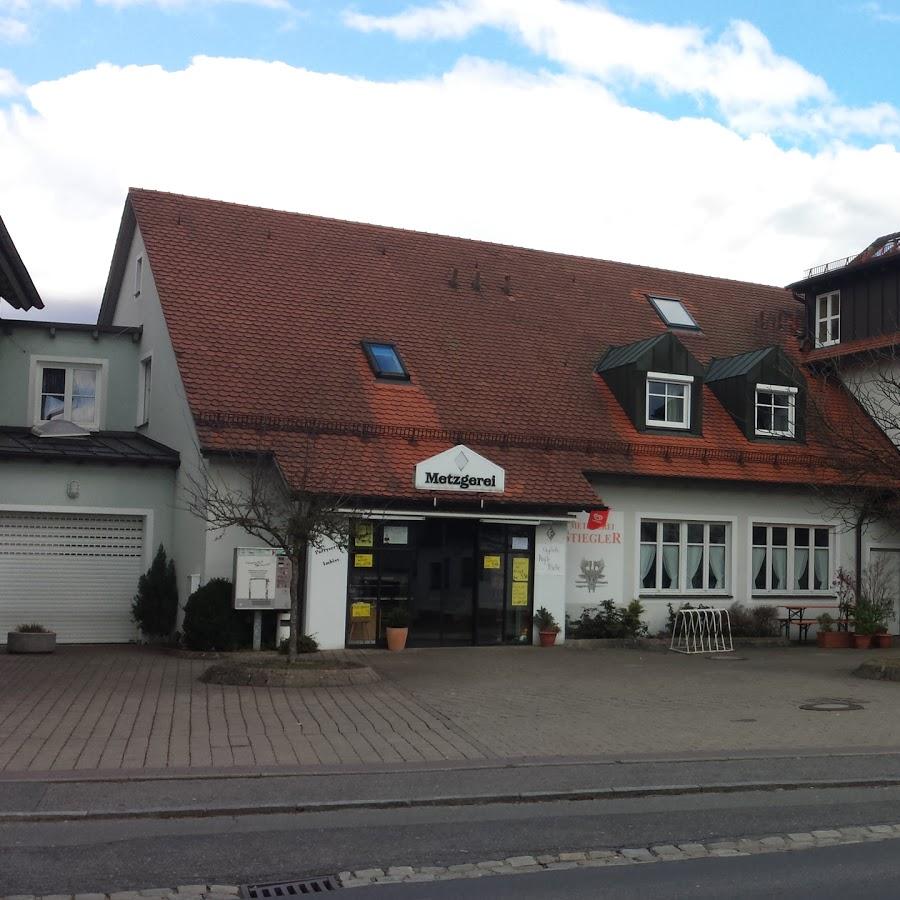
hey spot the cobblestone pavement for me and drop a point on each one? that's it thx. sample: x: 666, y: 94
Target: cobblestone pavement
x: 130, y: 708
x: 625, y: 856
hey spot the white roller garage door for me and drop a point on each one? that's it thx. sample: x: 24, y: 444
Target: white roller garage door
x: 73, y: 573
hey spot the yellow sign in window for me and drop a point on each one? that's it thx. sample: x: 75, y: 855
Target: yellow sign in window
x: 492, y: 562
x: 520, y: 593
x: 360, y: 610
x: 520, y: 568
x: 365, y: 534
x: 363, y: 560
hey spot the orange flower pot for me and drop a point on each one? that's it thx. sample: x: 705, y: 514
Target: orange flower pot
x: 396, y: 638
x: 548, y: 638
x: 862, y: 641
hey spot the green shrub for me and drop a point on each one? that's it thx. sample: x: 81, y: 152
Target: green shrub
x: 609, y: 621
x: 754, y: 621
x: 307, y: 644
x: 395, y: 617
x: 155, y: 606
x: 32, y: 628
x: 210, y: 620
x: 544, y: 620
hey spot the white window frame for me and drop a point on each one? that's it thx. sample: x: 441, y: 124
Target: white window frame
x: 683, y: 589
x: 145, y: 389
x: 138, y: 275
x: 791, y: 525
x: 781, y: 390
x: 669, y: 378
x: 37, y: 366
x: 831, y: 319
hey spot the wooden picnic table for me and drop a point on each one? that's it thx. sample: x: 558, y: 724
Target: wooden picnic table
x: 796, y: 615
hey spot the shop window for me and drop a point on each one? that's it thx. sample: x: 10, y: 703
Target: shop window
x: 672, y: 311
x: 791, y: 558
x: 684, y: 557
x: 385, y: 361
x: 382, y: 557
x: 775, y: 410
x: 668, y: 400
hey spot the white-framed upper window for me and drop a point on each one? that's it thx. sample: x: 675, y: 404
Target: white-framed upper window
x: 138, y: 275
x: 145, y: 387
x: 776, y: 410
x: 68, y: 389
x: 828, y: 319
x: 684, y: 557
x: 668, y: 400
x: 791, y: 559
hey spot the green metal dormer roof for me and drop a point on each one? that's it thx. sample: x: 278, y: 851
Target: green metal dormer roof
x: 16, y: 286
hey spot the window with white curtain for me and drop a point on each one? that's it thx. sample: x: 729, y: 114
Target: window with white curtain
x: 684, y: 557
x: 791, y: 559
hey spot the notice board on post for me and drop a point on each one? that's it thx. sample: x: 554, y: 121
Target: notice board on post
x: 262, y: 578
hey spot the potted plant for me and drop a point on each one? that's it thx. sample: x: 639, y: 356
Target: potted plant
x: 881, y: 639
x: 396, y: 626
x: 827, y: 637
x: 866, y: 621
x: 31, y: 638
x: 546, y: 626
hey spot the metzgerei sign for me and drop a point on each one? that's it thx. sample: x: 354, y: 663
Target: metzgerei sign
x: 460, y: 469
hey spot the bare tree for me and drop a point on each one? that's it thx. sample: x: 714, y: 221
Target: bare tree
x: 248, y: 490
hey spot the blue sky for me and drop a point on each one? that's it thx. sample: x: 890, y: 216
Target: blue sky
x: 731, y: 138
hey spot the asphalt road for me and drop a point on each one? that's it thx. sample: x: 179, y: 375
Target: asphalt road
x: 121, y: 855
x: 827, y: 873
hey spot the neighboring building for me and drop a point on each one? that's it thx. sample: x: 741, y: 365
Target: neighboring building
x: 852, y: 310
x: 523, y: 428
x: 85, y: 497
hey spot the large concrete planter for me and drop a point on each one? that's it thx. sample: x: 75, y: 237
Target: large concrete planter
x: 30, y: 641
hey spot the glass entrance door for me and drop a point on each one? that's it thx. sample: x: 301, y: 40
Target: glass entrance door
x: 443, y: 612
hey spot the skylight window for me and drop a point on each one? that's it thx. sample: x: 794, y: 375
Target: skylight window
x: 385, y: 361
x: 673, y: 313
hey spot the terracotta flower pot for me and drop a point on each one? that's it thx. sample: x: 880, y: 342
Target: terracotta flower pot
x: 862, y: 641
x: 548, y: 638
x: 831, y: 640
x: 884, y: 641
x: 396, y: 638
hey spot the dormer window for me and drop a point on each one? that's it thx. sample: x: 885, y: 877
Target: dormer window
x: 828, y: 319
x: 775, y: 410
x: 671, y: 310
x: 668, y: 400
x: 385, y: 361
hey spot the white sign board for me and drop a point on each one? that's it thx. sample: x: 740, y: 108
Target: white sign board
x: 262, y: 578
x: 595, y: 561
x: 460, y: 469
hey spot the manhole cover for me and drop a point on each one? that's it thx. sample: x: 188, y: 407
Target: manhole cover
x: 831, y: 706
x: 729, y: 657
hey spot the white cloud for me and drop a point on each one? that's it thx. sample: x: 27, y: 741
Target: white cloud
x: 13, y: 30
x: 9, y: 84
x: 185, y: 4
x: 548, y: 161
x: 753, y: 87
x: 879, y: 14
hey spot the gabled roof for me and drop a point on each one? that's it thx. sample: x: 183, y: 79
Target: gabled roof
x: 16, y: 286
x: 267, y: 311
x: 735, y: 366
x: 630, y: 353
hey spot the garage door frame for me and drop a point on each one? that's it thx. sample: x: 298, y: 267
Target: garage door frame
x: 145, y: 514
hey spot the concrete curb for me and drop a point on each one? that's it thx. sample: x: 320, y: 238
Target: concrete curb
x: 619, y: 793
x: 525, y: 863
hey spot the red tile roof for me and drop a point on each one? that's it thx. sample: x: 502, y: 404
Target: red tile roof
x: 266, y: 311
x: 869, y: 346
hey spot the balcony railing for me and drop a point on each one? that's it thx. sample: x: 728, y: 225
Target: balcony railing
x: 829, y: 266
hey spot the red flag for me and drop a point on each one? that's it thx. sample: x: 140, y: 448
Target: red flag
x: 597, y: 518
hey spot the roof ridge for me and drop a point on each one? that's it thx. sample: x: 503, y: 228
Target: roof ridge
x: 136, y: 191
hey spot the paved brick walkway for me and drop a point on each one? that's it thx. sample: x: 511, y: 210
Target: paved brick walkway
x: 130, y: 708
x: 108, y: 708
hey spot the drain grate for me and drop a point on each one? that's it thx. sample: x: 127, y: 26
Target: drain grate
x: 304, y: 888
